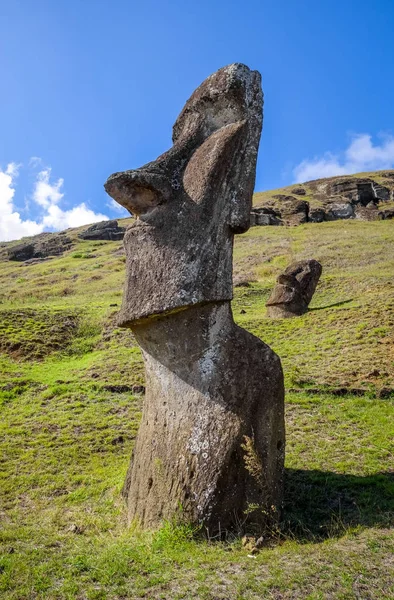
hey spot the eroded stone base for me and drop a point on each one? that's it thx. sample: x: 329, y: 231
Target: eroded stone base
x: 211, y: 440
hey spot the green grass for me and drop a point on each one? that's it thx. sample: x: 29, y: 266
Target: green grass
x: 64, y: 535
x: 66, y: 441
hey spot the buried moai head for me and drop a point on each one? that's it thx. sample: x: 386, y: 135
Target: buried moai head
x: 294, y: 289
x: 191, y: 200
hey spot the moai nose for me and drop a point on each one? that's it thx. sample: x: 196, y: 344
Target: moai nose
x: 139, y: 191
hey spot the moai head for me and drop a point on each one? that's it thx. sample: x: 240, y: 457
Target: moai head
x: 192, y: 199
x: 295, y: 288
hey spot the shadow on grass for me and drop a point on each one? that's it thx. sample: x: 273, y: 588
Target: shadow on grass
x: 341, y: 303
x: 321, y: 504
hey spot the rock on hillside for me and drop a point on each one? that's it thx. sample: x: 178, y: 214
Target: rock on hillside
x: 40, y: 247
x: 364, y: 196
x: 105, y: 230
x: 47, y: 245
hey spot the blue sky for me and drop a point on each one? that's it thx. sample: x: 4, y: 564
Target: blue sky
x: 90, y: 87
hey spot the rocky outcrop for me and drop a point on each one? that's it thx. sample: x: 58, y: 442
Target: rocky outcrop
x: 265, y: 216
x: 105, y: 230
x: 292, y: 210
x: 294, y: 289
x: 331, y: 199
x: 386, y: 214
x: 210, y: 448
x: 359, y: 190
x: 21, y: 252
x: 317, y: 215
x: 339, y: 210
x: 299, y: 191
x: 367, y: 213
x: 43, y: 246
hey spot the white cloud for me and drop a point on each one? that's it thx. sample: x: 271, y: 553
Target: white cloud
x: 47, y: 195
x: 361, y: 155
x: 58, y: 219
x: 11, y: 225
x: 13, y: 169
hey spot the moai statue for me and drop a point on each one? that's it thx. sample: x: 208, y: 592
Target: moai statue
x: 294, y: 289
x: 210, y: 447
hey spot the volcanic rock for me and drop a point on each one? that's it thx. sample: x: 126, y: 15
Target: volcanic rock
x: 300, y: 191
x: 44, y: 245
x: 294, y: 289
x: 292, y: 210
x: 265, y: 216
x: 359, y: 190
x: 211, y: 439
x: 105, y: 230
x: 317, y: 215
x: 339, y: 210
x: 367, y: 213
x: 21, y: 252
x: 386, y: 214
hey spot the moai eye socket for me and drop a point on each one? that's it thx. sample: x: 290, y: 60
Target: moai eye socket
x: 207, y: 170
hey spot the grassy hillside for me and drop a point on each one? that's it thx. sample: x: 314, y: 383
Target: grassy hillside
x: 316, y: 190
x: 68, y: 428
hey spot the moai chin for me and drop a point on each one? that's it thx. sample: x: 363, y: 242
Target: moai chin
x: 210, y: 447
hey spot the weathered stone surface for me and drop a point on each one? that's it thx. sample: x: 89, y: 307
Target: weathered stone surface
x: 265, y: 216
x: 294, y: 289
x: 262, y: 219
x: 105, y: 230
x: 43, y: 246
x: 177, y: 234
x: 386, y: 214
x: 292, y: 210
x: 300, y: 191
x: 317, y: 215
x: 359, y: 191
x: 266, y: 210
x: 330, y: 199
x: 214, y: 392
x: 367, y: 213
x: 223, y: 386
x: 339, y: 210
x: 53, y: 245
x: 21, y: 252
x: 382, y: 192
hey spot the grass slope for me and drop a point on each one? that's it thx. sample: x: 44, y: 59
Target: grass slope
x: 314, y: 192
x: 66, y: 439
